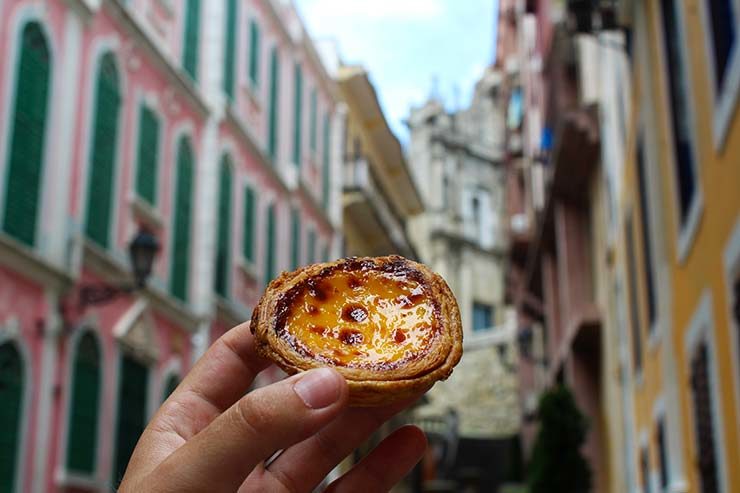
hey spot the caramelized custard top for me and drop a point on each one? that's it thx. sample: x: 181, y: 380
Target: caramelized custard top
x: 359, y: 315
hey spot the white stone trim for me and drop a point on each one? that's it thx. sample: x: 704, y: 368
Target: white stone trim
x: 731, y: 262
x: 701, y: 328
x: 685, y: 234
x: 63, y: 475
x: 227, y: 148
x: 11, y: 333
x: 724, y: 104
x: 23, y: 15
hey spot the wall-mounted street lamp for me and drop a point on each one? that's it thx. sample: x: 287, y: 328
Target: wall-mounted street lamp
x: 142, y: 250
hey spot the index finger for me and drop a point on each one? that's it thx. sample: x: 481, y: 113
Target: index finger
x: 218, y: 379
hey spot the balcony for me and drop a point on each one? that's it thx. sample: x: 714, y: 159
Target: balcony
x: 369, y: 215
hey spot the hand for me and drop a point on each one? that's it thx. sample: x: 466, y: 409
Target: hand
x: 209, y: 436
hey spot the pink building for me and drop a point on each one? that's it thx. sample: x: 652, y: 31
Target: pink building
x: 209, y: 124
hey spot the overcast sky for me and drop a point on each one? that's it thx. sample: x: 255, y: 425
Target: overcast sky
x: 405, y: 44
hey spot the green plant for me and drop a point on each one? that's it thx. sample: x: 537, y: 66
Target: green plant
x: 557, y: 465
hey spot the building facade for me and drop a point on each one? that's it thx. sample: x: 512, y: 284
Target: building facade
x: 210, y: 125
x: 378, y: 194
x: 456, y: 162
x: 623, y: 270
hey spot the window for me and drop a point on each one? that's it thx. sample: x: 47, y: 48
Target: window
x: 254, y: 52
x: 230, y: 53
x: 311, y: 255
x: 723, y: 34
x: 326, y: 164
x: 703, y: 420
x: 169, y: 386
x: 645, y: 470
x: 250, y: 217
x: 634, y: 306
x: 297, y: 113
x: 84, y: 406
x: 12, y: 382
x: 25, y: 157
x: 482, y: 316
x: 146, y: 171
x: 646, y: 238
x: 103, y: 151
x: 182, y: 217
x: 131, y: 418
x: 272, y: 126
x: 192, y: 38
x: 679, y: 114
x: 313, y: 133
x: 325, y: 255
x: 295, y: 235
x: 223, y: 240
x: 662, y: 453
x: 270, y: 247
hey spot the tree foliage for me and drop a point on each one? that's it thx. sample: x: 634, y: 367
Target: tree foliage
x: 557, y: 465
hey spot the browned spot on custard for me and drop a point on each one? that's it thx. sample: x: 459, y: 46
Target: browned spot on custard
x: 350, y: 337
x: 317, y: 329
x: 354, y: 313
x: 354, y: 282
x: 399, y: 336
x: 317, y: 290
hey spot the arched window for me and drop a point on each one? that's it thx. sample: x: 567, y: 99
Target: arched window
x: 28, y: 133
x: 11, y: 396
x: 191, y: 42
x: 224, y: 228
x: 170, y: 385
x: 133, y: 382
x: 84, y: 406
x: 103, y: 151
x: 182, y: 220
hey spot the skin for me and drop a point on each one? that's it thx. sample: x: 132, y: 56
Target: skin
x: 209, y: 436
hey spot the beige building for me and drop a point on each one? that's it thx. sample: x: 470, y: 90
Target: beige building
x: 378, y: 193
x: 455, y: 159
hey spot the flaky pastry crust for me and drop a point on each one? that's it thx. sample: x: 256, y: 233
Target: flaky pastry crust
x: 372, y: 382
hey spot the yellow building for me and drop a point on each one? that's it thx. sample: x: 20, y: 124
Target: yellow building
x: 679, y: 248
x: 378, y: 193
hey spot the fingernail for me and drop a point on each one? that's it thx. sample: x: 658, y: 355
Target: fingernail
x: 318, y: 388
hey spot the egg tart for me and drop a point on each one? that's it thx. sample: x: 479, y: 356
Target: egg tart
x: 390, y: 326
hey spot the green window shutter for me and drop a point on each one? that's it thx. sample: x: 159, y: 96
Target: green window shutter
x: 170, y: 385
x: 311, y: 247
x: 25, y: 157
x: 270, y: 247
x: 133, y: 382
x: 313, y: 137
x: 182, y: 218
x: 295, y: 244
x: 191, y: 42
x: 82, y: 439
x: 272, y: 127
x: 325, y: 254
x: 297, y: 116
x: 249, y: 223
x: 224, y: 229
x: 254, y: 52
x: 11, y: 395
x: 103, y: 151
x: 146, y: 169
x: 230, y: 54
x: 325, y: 165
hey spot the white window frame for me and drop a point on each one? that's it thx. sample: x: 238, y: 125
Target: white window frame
x: 732, y: 272
x: 701, y: 328
x: 685, y: 233
x: 724, y: 104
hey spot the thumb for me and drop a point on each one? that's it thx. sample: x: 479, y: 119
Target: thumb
x: 221, y: 456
